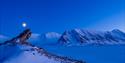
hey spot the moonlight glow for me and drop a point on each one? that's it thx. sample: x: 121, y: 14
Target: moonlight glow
x: 24, y: 24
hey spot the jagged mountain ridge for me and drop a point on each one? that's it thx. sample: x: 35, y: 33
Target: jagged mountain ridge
x: 19, y: 50
x: 80, y: 36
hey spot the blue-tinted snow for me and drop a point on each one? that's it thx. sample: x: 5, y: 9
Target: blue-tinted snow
x: 92, y: 54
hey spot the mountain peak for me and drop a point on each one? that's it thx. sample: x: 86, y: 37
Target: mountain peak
x: 52, y: 35
x: 24, y: 49
x: 81, y: 36
x: 116, y: 30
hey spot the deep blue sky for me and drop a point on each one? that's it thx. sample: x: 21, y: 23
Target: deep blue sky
x: 58, y: 15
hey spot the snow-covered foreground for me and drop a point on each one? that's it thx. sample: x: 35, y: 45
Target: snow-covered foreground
x: 30, y: 57
x: 83, y: 45
x: 24, y: 53
x: 92, y: 54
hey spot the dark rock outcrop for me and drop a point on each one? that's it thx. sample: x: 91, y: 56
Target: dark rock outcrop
x: 21, y: 40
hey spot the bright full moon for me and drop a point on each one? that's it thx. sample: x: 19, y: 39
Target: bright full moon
x: 24, y: 24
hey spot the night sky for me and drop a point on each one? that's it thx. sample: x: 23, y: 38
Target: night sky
x: 44, y: 16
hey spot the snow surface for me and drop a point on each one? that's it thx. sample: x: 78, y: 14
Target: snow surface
x: 83, y: 45
x: 30, y: 57
x: 91, y: 53
x: 24, y: 53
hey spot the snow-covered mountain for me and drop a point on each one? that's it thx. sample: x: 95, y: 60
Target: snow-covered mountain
x: 50, y: 37
x: 32, y: 50
x: 80, y: 36
x: 3, y: 38
x: 18, y: 50
x: 77, y: 37
x: 44, y: 39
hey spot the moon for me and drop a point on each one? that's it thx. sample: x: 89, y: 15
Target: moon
x: 24, y: 24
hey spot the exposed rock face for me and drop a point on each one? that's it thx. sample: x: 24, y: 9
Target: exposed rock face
x: 64, y: 38
x: 24, y: 36
x: 21, y: 41
x: 21, y: 38
x: 81, y: 36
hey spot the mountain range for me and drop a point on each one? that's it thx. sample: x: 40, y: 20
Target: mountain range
x: 12, y: 51
x: 18, y: 50
x: 79, y: 37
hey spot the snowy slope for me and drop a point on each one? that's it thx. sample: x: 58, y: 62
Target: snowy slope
x: 3, y: 38
x: 80, y: 36
x: 25, y: 53
x: 49, y: 38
